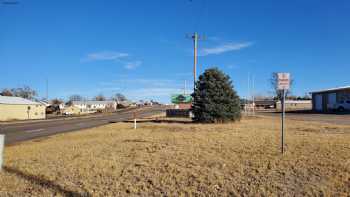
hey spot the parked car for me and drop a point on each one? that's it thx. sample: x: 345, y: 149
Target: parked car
x: 343, y: 106
x: 53, y: 109
x: 67, y: 113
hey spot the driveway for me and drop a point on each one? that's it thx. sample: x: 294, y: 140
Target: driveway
x: 338, y: 119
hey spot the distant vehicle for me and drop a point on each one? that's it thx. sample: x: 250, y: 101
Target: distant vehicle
x: 53, y: 109
x: 68, y: 113
x: 342, y: 106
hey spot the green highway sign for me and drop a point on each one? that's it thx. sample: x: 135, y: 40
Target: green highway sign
x: 181, y: 98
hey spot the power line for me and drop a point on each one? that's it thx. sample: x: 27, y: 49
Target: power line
x: 47, y: 89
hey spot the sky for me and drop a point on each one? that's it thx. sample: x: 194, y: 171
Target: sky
x: 142, y: 49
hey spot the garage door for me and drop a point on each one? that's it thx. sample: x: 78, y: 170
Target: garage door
x: 318, y: 102
x: 332, y: 100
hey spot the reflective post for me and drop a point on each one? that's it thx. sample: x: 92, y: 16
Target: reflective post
x: 2, y: 144
x: 135, y: 120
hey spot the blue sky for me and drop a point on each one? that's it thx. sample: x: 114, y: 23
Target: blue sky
x: 139, y: 48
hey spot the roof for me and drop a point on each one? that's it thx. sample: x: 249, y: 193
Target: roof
x: 92, y: 102
x: 332, y: 89
x: 12, y: 100
x: 44, y: 103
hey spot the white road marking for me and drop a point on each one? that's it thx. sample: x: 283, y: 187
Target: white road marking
x: 33, y: 131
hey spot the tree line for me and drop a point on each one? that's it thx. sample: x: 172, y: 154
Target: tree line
x: 100, y: 97
x: 31, y: 94
x: 23, y: 92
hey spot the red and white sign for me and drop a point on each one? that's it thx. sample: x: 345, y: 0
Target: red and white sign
x: 283, y: 81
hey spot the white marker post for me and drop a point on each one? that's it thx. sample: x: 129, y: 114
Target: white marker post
x: 135, y: 120
x: 283, y: 85
x: 2, y: 144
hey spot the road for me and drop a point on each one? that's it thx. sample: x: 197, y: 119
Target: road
x: 30, y: 130
x: 339, y: 119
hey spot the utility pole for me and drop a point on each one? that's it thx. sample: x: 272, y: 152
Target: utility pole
x: 195, y: 37
x: 47, y: 90
x: 185, y: 87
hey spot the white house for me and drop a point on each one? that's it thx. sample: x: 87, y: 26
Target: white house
x: 94, y: 106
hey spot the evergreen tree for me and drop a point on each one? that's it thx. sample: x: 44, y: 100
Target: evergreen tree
x: 214, y: 99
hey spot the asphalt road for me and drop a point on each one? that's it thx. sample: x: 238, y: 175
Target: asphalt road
x: 338, y: 119
x: 30, y: 130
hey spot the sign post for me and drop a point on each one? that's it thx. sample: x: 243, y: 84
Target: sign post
x: 2, y: 144
x: 283, y: 116
x: 283, y: 85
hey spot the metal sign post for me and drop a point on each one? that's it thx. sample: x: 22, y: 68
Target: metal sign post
x: 2, y: 144
x: 283, y: 85
x: 282, y: 124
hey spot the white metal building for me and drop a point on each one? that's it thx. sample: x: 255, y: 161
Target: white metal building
x: 334, y: 99
x: 94, y: 106
x: 295, y: 105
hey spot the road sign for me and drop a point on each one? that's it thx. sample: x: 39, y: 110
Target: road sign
x: 283, y: 81
x: 283, y: 84
x: 181, y: 98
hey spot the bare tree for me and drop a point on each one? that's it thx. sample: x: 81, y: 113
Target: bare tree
x: 6, y: 92
x: 25, y: 92
x: 278, y: 94
x: 119, y: 97
x: 75, y: 97
x: 100, y: 97
x: 56, y: 101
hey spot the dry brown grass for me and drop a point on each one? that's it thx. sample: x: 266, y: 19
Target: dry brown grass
x: 183, y: 160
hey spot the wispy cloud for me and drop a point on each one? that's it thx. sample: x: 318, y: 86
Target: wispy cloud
x: 232, y: 66
x: 184, y: 74
x: 119, y: 57
x: 132, y: 65
x: 146, y: 88
x: 213, y: 38
x: 224, y: 48
x: 151, y: 92
x: 140, y: 82
x: 105, y: 55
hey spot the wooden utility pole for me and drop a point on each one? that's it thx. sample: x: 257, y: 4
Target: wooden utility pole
x: 47, y: 90
x: 195, y: 46
x: 195, y: 37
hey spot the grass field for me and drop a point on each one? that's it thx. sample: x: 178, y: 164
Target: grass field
x: 176, y: 159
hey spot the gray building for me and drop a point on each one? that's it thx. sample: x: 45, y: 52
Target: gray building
x: 329, y: 100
